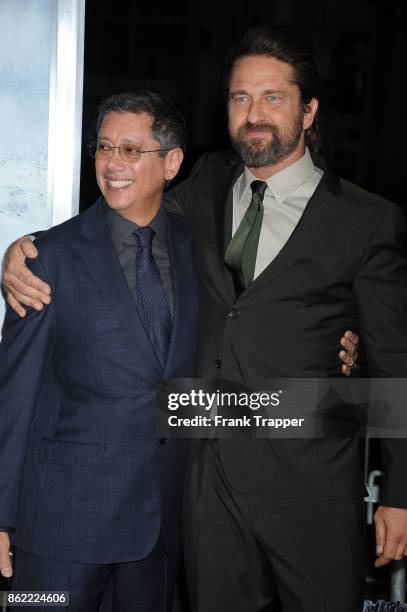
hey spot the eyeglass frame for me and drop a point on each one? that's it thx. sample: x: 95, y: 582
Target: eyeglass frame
x: 94, y: 143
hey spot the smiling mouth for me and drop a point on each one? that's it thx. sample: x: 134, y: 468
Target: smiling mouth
x: 118, y: 184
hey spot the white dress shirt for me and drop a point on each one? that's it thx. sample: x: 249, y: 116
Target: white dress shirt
x: 285, y: 199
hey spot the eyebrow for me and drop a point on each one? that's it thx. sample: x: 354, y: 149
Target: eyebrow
x: 275, y: 91
x: 125, y: 142
x: 237, y: 92
x: 265, y: 92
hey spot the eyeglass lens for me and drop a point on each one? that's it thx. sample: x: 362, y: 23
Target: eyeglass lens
x: 103, y: 150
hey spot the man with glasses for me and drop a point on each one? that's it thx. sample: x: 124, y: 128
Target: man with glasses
x: 92, y: 496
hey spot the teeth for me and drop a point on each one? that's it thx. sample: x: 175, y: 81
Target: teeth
x: 119, y: 184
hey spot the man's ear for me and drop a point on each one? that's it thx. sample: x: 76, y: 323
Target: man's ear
x: 310, y: 110
x: 173, y: 161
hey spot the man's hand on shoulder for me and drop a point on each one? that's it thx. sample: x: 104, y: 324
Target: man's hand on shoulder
x: 20, y: 284
x: 391, y: 534
x: 6, y: 569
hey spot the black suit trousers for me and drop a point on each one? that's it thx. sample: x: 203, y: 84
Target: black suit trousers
x: 248, y: 552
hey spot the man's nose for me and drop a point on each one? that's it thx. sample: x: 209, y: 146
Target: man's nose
x: 115, y: 161
x: 256, y: 112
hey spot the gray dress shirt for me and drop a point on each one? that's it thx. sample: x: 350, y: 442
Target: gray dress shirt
x: 122, y: 232
x: 285, y: 199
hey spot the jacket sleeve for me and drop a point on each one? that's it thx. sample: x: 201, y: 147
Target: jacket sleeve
x: 25, y: 353
x: 381, y: 295
x: 178, y: 199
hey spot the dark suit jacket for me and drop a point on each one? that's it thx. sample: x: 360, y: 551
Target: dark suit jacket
x: 344, y: 267
x: 83, y: 477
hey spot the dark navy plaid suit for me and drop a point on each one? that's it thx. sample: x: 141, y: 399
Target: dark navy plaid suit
x: 83, y: 478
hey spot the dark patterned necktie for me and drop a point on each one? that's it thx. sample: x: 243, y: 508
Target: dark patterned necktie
x: 241, y: 253
x: 152, y: 301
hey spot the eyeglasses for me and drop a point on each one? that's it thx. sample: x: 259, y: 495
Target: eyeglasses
x: 127, y: 152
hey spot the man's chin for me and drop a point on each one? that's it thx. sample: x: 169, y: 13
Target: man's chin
x: 255, y: 157
x: 260, y: 143
x: 254, y: 147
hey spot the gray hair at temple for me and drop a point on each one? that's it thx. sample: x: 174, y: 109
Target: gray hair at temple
x: 168, y: 125
x: 286, y: 47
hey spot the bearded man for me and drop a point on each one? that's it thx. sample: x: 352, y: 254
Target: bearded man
x: 288, y: 256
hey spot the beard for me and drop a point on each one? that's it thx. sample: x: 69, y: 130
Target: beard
x: 258, y: 152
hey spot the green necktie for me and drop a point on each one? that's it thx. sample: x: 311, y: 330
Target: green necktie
x: 241, y: 252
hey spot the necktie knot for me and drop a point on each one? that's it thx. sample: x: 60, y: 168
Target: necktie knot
x: 145, y: 236
x: 258, y: 187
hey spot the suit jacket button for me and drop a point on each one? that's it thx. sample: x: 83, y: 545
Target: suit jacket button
x: 218, y: 364
x: 233, y: 314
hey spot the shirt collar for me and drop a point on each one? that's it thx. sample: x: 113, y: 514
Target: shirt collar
x: 121, y: 228
x: 283, y: 183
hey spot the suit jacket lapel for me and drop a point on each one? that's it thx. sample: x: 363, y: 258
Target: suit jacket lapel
x: 100, y: 258
x: 182, y: 281
x: 223, y: 210
x: 309, y: 229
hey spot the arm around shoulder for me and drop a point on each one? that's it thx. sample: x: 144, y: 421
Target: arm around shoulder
x: 179, y: 198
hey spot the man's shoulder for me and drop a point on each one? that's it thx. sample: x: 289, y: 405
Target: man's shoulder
x: 178, y: 225
x: 60, y: 234
x: 67, y: 233
x: 366, y: 202
x: 214, y: 161
x: 176, y: 219
x: 356, y: 205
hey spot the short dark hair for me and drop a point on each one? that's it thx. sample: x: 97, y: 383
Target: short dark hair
x: 286, y: 47
x: 168, y: 126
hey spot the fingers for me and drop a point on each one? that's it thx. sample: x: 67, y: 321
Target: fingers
x: 22, y: 285
x: 23, y: 280
x: 380, y: 537
x: 16, y: 306
x: 348, y: 361
x: 348, y: 357
x: 345, y: 369
x: 351, y: 349
x: 389, y: 551
x: 391, y: 534
x: 401, y: 551
x: 23, y: 299
x: 19, y: 280
x: 354, y: 338
x: 28, y: 248
x: 349, y: 341
x: 6, y: 569
x: 27, y: 289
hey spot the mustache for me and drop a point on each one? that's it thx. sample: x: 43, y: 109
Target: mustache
x: 263, y: 126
